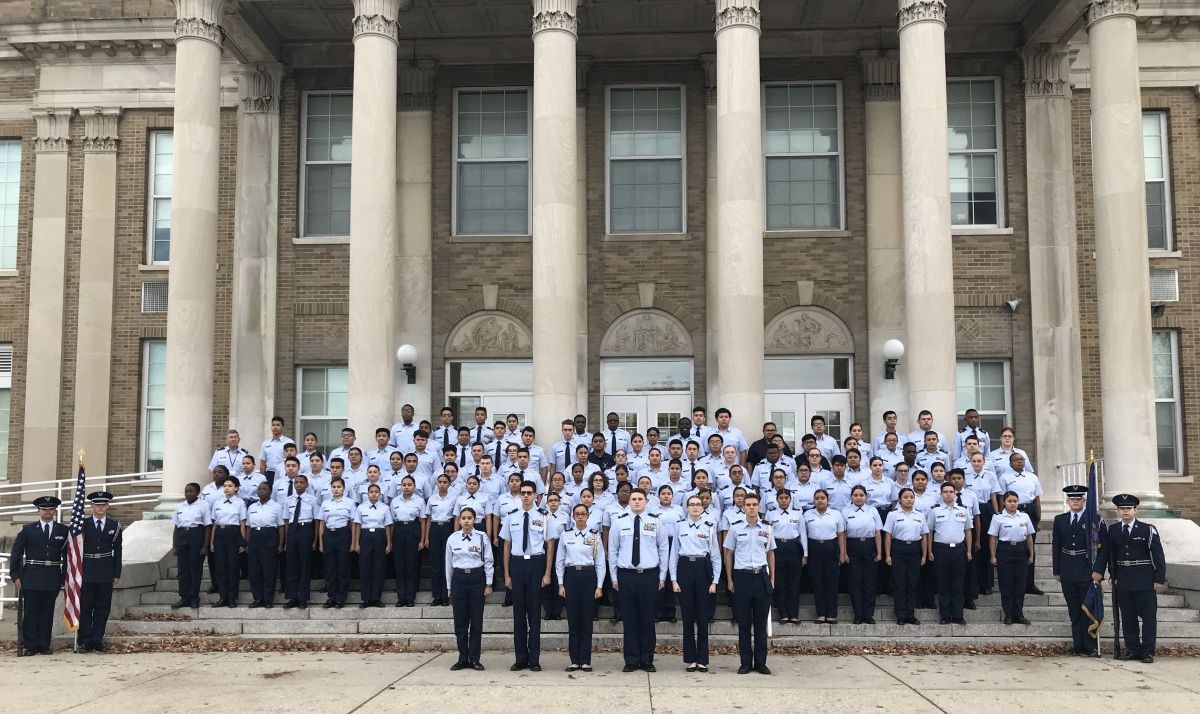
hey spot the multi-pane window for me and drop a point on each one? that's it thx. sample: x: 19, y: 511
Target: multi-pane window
x: 1158, y: 180
x: 983, y: 386
x: 327, y: 124
x: 5, y: 404
x: 324, y: 398
x: 10, y: 199
x: 1168, y: 425
x: 154, y: 388
x: 492, y: 162
x: 802, y: 141
x: 158, y: 199
x: 645, y: 159
x: 975, y: 167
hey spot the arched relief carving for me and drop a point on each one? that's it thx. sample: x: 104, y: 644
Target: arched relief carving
x: 646, y: 332
x: 808, y: 330
x: 489, y: 333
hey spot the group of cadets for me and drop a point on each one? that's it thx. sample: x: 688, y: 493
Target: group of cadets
x: 645, y: 522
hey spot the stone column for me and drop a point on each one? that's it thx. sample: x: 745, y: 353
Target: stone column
x: 47, y: 263
x: 928, y: 263
x: 372, y: 340
x: 739, y: 266
x: 97, y: 249
x: 1053, y: 285
x: 414, y: 264
x: 885, y: 233
x: 555, y: 217
x: 188, y: 413
x: 1122, y: 261
x: 255, y: 256
x: 712, y: 298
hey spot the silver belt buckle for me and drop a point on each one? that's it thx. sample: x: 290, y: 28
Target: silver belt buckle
x: 526, y: 557
x: 953, y: 545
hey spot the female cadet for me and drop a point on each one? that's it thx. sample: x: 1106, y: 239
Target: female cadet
x: 335, y: 540
x: 950, y: 531
x: 927, y: 498
x: 373, y: 542
x: 864, y: 550
x: 669, y: 516
x: 906, y: 547
x: 408, y: 512
x: 579, y: 564
x: 826, y: 551
x: 770, y: 494
x: 881, y: 492
x: 468, y: 560
x: 695, y: 567
x: 791, y: 545
x: 601, y: 498
x: 472, y: 498
x: 804, y: 488
x: 439, y: 518
x: 1012, y: 551
x: 227, y: 539
x: 552, y: 602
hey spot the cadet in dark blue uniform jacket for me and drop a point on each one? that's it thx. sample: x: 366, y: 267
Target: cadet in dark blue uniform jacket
x: 101, y: 570
x: 37, y: 565
x: 1072, y: 566
x: 1138, y: 571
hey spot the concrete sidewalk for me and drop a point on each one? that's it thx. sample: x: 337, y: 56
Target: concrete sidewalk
x: 311, y: 682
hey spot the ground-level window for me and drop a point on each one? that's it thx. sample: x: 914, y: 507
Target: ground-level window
x: 983, y: 385
x: 324, y: 410
x: 154, y: 388
x: 1167, y: 422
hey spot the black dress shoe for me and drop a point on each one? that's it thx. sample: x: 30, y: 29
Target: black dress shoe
x: 83, y: 649
x: 763, y: 669
x: 101, y: 648
x: 743, y: 670
x: 649, y: 668
x: 268, y: 605
x: 629, y: 668
x: 969, y: 605
x: 25, y: 653
x: 869, y: 620
x: 517, y: 667
x: 377, y: 603
x: 1127, y: 656
x: 231, y: 604
x: 477, y: 667
x: 960, y: 621
x: 1148, y: 659
x: 213, y: 591
x: 328, y: 604
x: 256, y: 604
x: 901, y: 621
x: 179, y: 604
x: 290, y: 604
x: 302, y: 606
x: 1020, y: 620
x: 1008, y: 620
x: 913, y: 621
x: 944, y: 621
x: 1093, y: 653
x: 535, y: 668
x: 692, y: 668
x: 1034, y: 591
x: 338, y: 605
x: 458, y: 665
x: 364, y: 605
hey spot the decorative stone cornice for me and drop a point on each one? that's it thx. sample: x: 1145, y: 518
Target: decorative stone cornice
x: 556, y: 15
x: 1104, y: 9
x: 199, y: 19
x: 1047, y: 71
x: 709, y: 62
x: 377, y: 17
x: 732, y: 13
x: 53, y: 130
x: 258, y: 90
x: 583, y: 65
x: 100, y: 129
x: 414, y: 80
x: 881, y: 76
x: 922, y: 11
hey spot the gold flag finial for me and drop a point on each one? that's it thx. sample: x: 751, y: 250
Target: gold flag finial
x: 1091, y: 455
x: 81, y: 457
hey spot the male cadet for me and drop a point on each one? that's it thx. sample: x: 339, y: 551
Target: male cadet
x: 481, y: 433
x: 447, y: 433
x: 758, y: 449
x: 972, y: 428
x: 537, y: 455
x: 529, y: 534
x: 750, y: 565
x: 101, y: 570
x: 828, y: 445
x: 1072, y: 566
x: 230, y: 455
x: 614, y: 436
x: 563, y: 452
x: 270, y: 458
x: 403, y: 430
x: 189, y: 539
x: 924, y: 424
x: 731, y: 434
x: 582, y: 435
x: 300, y: 509
x: 1138, y: 569
x: 637, y: 562
x: 343, y: 452
x: 38, y: 565
x: 381, y: 455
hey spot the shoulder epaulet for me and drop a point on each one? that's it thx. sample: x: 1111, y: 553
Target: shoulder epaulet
x: 543, y: 511
x: 708, y: 523
x: 654, y: 515
x: 962, y: 430
x: 623, y: 515
x: 513, y: 511
x: 593, y: 530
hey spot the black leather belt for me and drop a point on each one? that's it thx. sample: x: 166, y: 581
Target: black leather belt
x: 1074, y: 552
x: 750, y: 571
x: 264, y: 528
x: 109, y: 554
x: 820, y: 540
x: 48, y: 563
x: 1122, y: 563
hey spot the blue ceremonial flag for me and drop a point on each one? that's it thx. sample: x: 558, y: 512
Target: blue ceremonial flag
x: 1093, y: 602
x: 1093, y: 511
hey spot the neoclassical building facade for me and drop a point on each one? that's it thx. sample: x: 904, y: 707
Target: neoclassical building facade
x: 214, y: 211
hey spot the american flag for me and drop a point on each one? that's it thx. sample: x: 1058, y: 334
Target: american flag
x: 75, y: 557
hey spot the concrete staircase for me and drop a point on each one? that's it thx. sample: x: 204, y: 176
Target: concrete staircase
x: 428, y: 627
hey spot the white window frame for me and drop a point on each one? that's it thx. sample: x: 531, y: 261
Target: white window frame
x: 1008, y: 402
x: 152, y: 197
x: 144, y: 408
x: 841, y: 156
x: 1001, y: 172
x: 455, y: 160
x: 1177, y: 400
x: 301, y: 416
x: 1165, y: 146
x: 6, y: 348
x: 7, y: 267
x: 304, y: 163
x: 683, y: 151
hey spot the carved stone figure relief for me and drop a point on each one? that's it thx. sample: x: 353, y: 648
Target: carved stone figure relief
x: 808, y: 330
x: 489, y: 334
x: 646, y: 332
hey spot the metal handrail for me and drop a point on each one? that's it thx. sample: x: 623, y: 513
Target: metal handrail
x: 1077, y: 474
x: 15, y: 498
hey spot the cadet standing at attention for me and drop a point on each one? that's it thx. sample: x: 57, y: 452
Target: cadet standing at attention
x: 407, y: 543
x: 1072, y: 565
x: 1138, y: 570
x: 301, y: 541
x: 579, y: 564
x: 264, y: 518
x: 373, y: 541
x: 695, y: 568
x: 101, y: 571
x: 906, y: 547
x: 335, y: 523
x: 1011, y: 556
x: 529, y: 535
x: 950, y: 531
x: 38, y: 565
x: 227, y: 539
x: 791, y: 541
x: 469, y: 564
x: 826, y: 530
x: 190, y: 542
x: 864, y: 550
x: 750, y: 562
x: 637, y: 563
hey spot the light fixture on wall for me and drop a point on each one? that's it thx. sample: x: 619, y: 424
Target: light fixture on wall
x: 406, y: 355
x: 893, y: 350
x: 1013, y: 304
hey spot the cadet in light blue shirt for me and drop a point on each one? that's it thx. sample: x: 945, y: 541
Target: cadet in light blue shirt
x: 906, y: 546
x: 468, y: 559
x: 637, y: 561
x: 373, y: 543
x: 227, y: 540
x: 334, y: 539
x: 579, y: 568
x: 409, y: 536
x: 791, y: 537
x: 864, y: 550
x: 950, y: 526
x: 750, y: 563
x: 265, y: 523
x: 528, y: 534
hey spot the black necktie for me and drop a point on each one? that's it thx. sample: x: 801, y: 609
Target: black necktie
x: 525, y: 535
x: 47, y: 530
x: 462, y: 458
x: 614, y: 442
x: 498, y: 451
x: 479, y: 434
x: 636, y: 556
x: 445, y: 438
x: 296, y: 513
x: 958, y: 498
x: 1128, y: 530
x: 1074, y: 519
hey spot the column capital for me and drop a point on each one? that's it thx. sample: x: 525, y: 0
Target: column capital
x: 1104, y: 9
x: 921, y: 11
x: 378, y: 17
x: 258, y: 89
x: 415, y: 82
x: 731, y: 13
x: 199, y: 19
x: 53, y: 129
x: 1047, y: 71
x: 100, y: 129
x: 709, y: 62
x: 881, y: 75
x: 556, y: 15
